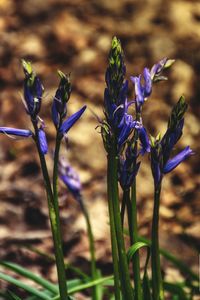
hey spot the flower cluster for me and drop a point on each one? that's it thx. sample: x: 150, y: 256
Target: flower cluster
x: 161, y: 148
x: 123, y: 130
x: 32, y: 100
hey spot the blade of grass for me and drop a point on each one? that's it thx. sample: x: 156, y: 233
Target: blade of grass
x: 86, y: 285
x: 24, y: 286
x: 50, y: 258
x: 30, y: 275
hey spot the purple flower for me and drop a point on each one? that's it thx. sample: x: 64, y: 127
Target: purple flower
x: 170, y: 139
x: 42, y: 141
x: 70, y: 178
x: 143, y: 137
x: 65, y: 127
x: 157, y: 69
x: 125, y: 127
x: 142, y: 91
x: 176, y: 160
x: 33, y: 90
x: 16, y: 131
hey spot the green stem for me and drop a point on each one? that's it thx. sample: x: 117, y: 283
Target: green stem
x: 134, y: 239
x: 92, y: 248
x: 125, y: 276
x: 55, y: 223
x: 157, y: 285
x: 113, y: 236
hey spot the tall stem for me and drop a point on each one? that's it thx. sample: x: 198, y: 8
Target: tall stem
x: 92, y: 248
x: 157, y: 285
x: 55, y: 223
x: 117, y: 291
x: 125, y: 276
x: 134, y: 239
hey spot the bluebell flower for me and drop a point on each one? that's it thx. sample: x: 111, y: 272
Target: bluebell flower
x: 62, y: 95
x: 161, y: 149
x: 144, y: 140
x: 42, y: 141
x: 124, y: 129
x: 65, y: 127
x: 118, y: 124
x: 70, y: 178
x: 33, y: 90
x: 157, y: 69
x: 142, y: 90
x: 16, y: 131
x: 143, y: 83
x: 176, y: 160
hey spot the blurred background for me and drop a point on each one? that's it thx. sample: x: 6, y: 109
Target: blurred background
x: 75, y: 37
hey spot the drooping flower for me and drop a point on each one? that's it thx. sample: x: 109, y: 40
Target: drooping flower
x: 42, y: 140
x: 70, y: 178
x: 66, y: 126
x: 142, y: 90
x: 144, y: 82
x: 176, y: 160
x: 16, y: 131
x: 33, y: 90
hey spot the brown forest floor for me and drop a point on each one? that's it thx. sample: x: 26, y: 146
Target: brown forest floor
x: 75, y: 36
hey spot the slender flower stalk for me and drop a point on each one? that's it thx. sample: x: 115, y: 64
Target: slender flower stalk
x: 33, y: 97
x: 55, y: 223
x: 123, y: 264
x: 161, y: 164
x: 157, y: 284
x: 116, y: 128
x: 71, y: 179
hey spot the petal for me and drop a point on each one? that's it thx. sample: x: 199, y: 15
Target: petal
x: 16, y: 131
x: 176, y: 160
x: 43, y: 141
x: 71, y: 120
x: 148, y: 82
x: 144, y: 140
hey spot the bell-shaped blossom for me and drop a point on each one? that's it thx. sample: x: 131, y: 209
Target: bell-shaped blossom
x: 176, y: 160
x: 144, y: 140
x: 125, y: 127
x: 142, y: 90
x: 70, y: 178
x: 42, y: 141
x: 16, y: 131
x: 65, y: 127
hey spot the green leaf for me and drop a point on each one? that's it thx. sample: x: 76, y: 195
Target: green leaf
x: 28, y: 274
x: 86, y: 285
x: 131, y: 251
x: 134, y: 248
x: 24, y: 286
